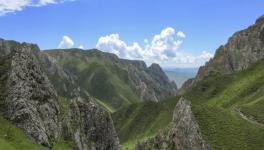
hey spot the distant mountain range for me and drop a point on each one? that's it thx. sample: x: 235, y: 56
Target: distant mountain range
x: 181, y: 70
x: 180, y: 75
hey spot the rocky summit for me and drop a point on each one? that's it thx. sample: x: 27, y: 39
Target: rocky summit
x: 181, y: 134
x: 242, y: 50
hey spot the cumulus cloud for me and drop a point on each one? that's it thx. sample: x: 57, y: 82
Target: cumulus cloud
x: 162, y: 48
x: 9, y: 6
x: 180, y: 34
x: 66, y: 42
x: 185, y: 58
x: 113, y: 44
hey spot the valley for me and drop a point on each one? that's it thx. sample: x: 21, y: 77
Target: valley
x: 92, y: 99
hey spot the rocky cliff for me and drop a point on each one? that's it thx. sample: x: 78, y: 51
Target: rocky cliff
x: 29, y: 100
x: 151, y: 83
x: 89, y: 126
x: 181, y: 134
x: 243, y: 49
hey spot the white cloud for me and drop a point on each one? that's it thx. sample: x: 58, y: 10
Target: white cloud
x: 81, y: 47
x: 113, y: 44
x: 185, y: 58
x: 66, y: 42
x: 163, y: 48
x: 45, y: 2
x: 9, y: 6
x: 180, y: 34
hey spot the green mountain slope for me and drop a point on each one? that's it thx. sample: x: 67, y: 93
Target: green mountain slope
x: 228, y: 108
x: 101, y: 79
x: 113, y: 82
x: 12, y: 138
x: 141, y: 120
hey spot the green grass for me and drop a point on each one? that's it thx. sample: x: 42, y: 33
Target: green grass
x: 138, y: 121
x: 6, y: 145
x: 12, y: 138
x: 224, y: 130
x: 64, y: 104
x: 103, y: 79
x: 63, y: 145
x: 107, y: 107
x: 213, y: 102
x: 255, y: 110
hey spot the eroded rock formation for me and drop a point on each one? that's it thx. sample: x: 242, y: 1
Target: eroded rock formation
x: 29, y: 100
x: 181, y: 134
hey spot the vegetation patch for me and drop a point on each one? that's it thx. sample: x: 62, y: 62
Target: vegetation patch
x: 12, y: 138
x: 214, y: 100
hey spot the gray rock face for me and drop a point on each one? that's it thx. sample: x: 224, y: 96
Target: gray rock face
x: 64, y: 82
x: 181, y: 134
x: 90, y: 127
x: 165, y: 85
x: 30, y: 100
x: 151, y: 83
x: 243, y: 49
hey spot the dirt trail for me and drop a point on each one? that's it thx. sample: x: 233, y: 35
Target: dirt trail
x: 249, y: 119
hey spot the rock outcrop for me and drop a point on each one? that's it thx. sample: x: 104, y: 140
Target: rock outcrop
x: 243, y: 49
x: 151, y: 85
x: 181, y: 134
x: 90, y: 127
x: 64, y: 82
x: 30, y: 100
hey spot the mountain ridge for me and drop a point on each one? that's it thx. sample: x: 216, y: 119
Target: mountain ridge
x: 132, y: 79
x: 243, y: 49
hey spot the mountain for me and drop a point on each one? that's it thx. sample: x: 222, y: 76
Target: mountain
x: 242, y: 50
x: 226, y: 100
x: 180, y: 75
x: 30, y: 102
x: 228, y: 109
x: 58, y: 99
x: 113, y: 82
x: 61, y: 99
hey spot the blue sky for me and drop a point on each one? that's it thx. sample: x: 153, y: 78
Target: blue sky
x: 122, y: 26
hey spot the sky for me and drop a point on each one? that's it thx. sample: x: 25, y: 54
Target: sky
x: 173, y: 33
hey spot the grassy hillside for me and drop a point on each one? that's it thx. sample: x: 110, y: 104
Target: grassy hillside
x: 12, y: 138
x: 96, y: 75
x: 228, y: 108
x: 141, y: 120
